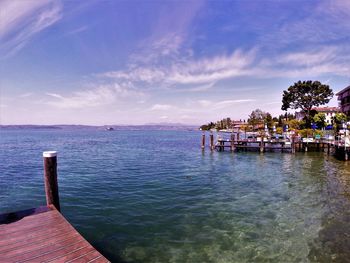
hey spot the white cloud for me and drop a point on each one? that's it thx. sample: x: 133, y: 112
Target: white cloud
x: 313, y: 57
x: 204, y: 71
x: 222, y: 104
x: 102, y: 95
x: 161, y: 107
x: 203, y: 74
x: 331, y: 60
x: 205, y: 103
x: 230, y: 103
x: 77, y: 30
x: 21, y: 20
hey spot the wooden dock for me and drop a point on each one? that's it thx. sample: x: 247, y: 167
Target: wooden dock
x: 291, y: 145
x: 43, y: 234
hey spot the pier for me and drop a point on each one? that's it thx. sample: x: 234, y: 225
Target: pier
x: 43, y: 234
x: 287, y: 145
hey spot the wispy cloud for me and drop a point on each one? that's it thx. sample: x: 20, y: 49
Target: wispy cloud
x: 203, y: 71
x: 153, y: 49
x: 21, y: 20
x: 161, y: 107
x: 77, y: 30
x: 216, y: 105
x: 26, y: 95
x: 324, y: 22
x: 102, y: 95
x: 203, y: 74
x: 331, y: 60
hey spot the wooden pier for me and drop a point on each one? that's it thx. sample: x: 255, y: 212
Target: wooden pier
x: 42, y: 234
x: 291, y: 145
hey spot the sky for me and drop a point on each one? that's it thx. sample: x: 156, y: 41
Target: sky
x: 139, y: 62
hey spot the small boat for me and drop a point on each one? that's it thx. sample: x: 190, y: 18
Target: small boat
x: 109, y: 129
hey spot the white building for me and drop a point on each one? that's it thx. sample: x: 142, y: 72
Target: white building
x: 328, y: 111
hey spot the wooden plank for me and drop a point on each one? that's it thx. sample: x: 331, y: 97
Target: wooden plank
x: 45, y: 237
x: 48, y: 254
x: 40, y: 237
x: 35, y: 248
x: 30, y: 233
x: 35, y: 221
x: 57, y: 257
x: 94, y: 255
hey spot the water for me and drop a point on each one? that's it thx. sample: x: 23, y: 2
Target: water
x: 153, y: 196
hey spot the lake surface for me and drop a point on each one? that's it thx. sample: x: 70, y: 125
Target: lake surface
x: 154, y: 196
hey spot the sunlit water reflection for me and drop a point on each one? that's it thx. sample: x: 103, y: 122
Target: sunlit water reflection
x: 154, y: 196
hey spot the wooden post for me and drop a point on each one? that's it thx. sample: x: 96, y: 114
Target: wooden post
x: 282, y: 146
x: 328, y: 148
x: 346, y: 157
x: 212, y: 142
x: 262, y: 144
x: 232, y: 142
x: 50, y: 177
x: 203, y: 141
x: 293, y: 144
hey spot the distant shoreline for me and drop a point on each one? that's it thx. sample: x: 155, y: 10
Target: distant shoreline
x: 101, y: 128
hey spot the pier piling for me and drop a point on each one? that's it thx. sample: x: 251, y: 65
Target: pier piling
x: 212, y: 142
x: 262, y: 145
x: 203, y: 141
x: 50, y: 178
x: 328, y: 148
x: 232, y: 142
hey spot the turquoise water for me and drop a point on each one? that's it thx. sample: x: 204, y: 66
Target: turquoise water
x: 154, y: 196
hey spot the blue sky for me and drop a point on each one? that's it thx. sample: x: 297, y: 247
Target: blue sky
x: 137, y: 62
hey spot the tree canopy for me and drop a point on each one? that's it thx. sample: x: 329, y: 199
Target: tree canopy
x: 320, y: 120
x: 305, y: 95
x: 258, y: 117
x: 338, y: 119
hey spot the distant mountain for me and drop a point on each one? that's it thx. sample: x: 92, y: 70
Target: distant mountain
x: 30, y: 127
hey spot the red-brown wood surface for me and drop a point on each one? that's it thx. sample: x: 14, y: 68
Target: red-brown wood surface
x: 45, y: 237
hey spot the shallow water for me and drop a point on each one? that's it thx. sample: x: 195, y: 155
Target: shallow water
x: 154, y: 196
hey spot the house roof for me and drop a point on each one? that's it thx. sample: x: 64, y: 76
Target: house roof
x: 326, y: 109
x: 321, y: 109
x: 343, y: 90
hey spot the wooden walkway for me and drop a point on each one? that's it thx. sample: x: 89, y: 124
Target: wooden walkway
x: 43, y: 235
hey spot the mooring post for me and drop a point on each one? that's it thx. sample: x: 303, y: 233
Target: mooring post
x: 328, y: 148
x: 203, y: 141
x: 232, y: 142
x: 293, y: 144
x: 50, y: 177
x: 262, y: 144
x: 211, y: 141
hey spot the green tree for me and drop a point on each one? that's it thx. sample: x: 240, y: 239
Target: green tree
x: 320, y: 120
x: 294, y: 124
x: 338, y: 119
x: 256, y: 117
x: 207, y: 127
x: 304, y: 95
x: 269, y: 120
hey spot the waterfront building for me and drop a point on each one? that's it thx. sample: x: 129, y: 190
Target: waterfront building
x: 328, y: 111
x: 344, y: 100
